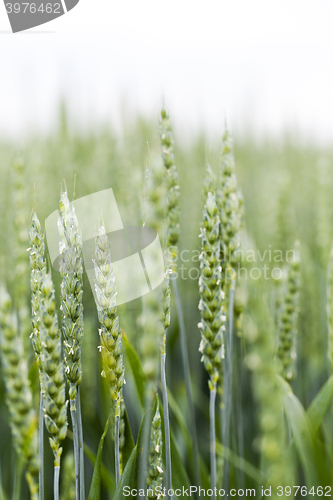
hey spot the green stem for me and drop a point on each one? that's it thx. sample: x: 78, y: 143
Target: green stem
x: 116, y: 447
x: 81, y: 451
x: 56, y: 482
x: 239, y: 410
x: 212, y: 398
x: 41, y: 446
x: 166, y: 426
x: 228, y: 384
x: 187, y: 378
x: 18, y: 479
x: 1, y: 488
x: 76, y: 446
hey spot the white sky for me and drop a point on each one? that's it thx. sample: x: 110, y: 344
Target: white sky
x: 262, y: 64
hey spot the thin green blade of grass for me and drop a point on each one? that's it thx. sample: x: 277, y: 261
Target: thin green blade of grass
x: 129, y: 441
x: 139, y: 376
x: 187, y: 437
x: 128, y: 476
x: 107, y: 478
x: 179, y: 474
x: 136, y: 463
x: 302, y: 432
x: 167, y: 444
x: 320, y: 405
x: 95, y: 487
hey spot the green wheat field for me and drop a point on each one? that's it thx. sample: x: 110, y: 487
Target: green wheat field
x: 221, y: 378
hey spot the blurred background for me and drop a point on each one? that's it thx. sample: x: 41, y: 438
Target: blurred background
x: 82, y: 95
x: 265, y: 66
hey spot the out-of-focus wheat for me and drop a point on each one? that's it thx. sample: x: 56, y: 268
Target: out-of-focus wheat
x: 288, y: 318
x: 23, y: 420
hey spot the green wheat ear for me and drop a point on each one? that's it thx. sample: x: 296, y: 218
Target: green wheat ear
x: 71, y: 270
x: 37, y: 274
x: 150, y: 319
x: 211, y: 306
x: 23, y: 420
x: 20, y: 263
x: 286, y: 351
x: 110, y: 333
x: 172, y: 184
x: 211, y: 302
x: 71, y: 292
x: 54, y: 397
x: 20, y: 283
x: 229, y: 203
x: 38, y: 269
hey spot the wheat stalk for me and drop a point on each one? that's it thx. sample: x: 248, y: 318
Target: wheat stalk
x: 54, y: 398
x: 171, y: 241
x: 72, y: 321
x: 211, y: 306
x: 121, y: 433
x: 38, y: 269
x: 110, y: 333
x: 230, y: 215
